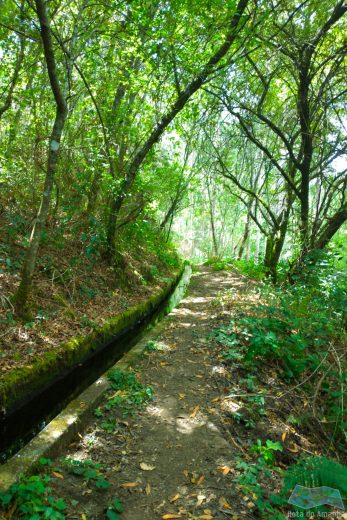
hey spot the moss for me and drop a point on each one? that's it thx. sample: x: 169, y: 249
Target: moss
x: 14, y: 386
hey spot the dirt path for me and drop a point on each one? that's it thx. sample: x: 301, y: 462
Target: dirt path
x: 179, y: 437
x: 179, y: 433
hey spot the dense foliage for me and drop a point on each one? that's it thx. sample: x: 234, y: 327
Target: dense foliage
x: 251, y: 100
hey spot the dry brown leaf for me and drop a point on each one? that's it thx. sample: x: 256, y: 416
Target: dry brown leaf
x: 224, y: 469
x: 173, y: 499
x: 284, y: 435
x: 215, y: 399
x: 207, y: 511
x: 181, y: 396
x: 148, y: 489
x: 195, y: 411
x: 205, y: 517
x: 186, y: 473
x: 129, y: 484
x: 170, y: 516
x: 224, y: 504
x: 146, y: 467
x: 58, y: 475
x: 200, y: 481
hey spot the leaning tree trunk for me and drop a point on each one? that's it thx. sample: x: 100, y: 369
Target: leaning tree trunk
x: 20, y: 298
x: 331, y: 227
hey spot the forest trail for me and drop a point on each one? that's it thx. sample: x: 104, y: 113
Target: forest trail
x: 168, y: 458
x: 180, y: 433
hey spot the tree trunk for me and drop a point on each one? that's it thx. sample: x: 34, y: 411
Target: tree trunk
x: 21, y: 296
x: 212, y: 220
x: 245, y: 234
x: 332, y: 226
x: 275, y: 242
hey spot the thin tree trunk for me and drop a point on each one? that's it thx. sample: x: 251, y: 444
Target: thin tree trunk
x: 333, y: 225
x: 21, y: 296
x: 212, y: 220
x: 20, y: 57
x: 246, y: 233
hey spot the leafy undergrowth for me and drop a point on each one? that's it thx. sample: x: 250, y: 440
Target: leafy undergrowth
x: 75, y: 288
x: 86, y: 483
x: 248, y: 268
x: 284, y: 372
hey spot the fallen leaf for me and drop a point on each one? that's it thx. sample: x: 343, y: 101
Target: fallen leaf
x: 200, y: 481
x: 224, y: 469
x: 192, y: 495
x: 215, y: 399
x: 58, y: 475
x: 284, y: 435
x: 129, y: 484
x: 205, y: 517
x: 173, y: 499
x: 195, y: 411
x: 181, y: 396
x: 83, y: 516
x: 146, y: 467
x: 148, y: 489
x: 169, y: 516
x: 200, y: 500
x: 164, y: 363
x: 224, y: 504
x: 186, y: 473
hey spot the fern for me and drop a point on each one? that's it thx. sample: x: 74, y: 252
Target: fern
x: 316, y: 472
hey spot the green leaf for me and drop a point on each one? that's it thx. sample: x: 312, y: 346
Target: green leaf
x: 101, y: 483
x: 112, y: 515
x: 117, y: 505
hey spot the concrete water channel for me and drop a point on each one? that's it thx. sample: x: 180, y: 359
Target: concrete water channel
x: 35, y: 414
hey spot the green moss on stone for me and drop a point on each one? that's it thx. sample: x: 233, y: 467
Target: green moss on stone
x: 15, y: 384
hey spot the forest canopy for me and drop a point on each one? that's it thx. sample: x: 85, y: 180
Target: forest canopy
x: 221, y: 122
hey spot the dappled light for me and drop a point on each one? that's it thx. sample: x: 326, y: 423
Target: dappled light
x: 173, y: 179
